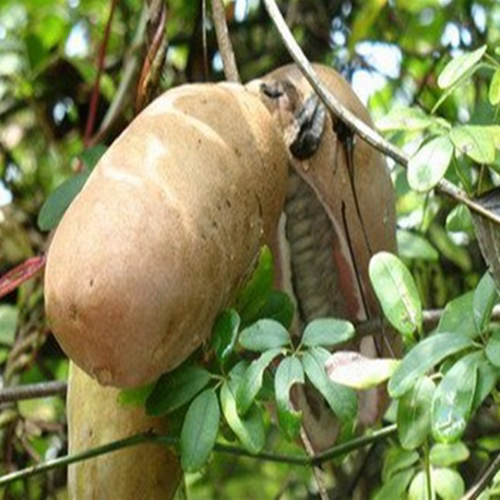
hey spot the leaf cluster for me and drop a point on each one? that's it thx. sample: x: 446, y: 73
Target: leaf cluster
x: 441, y: 381
x: 257, y: 363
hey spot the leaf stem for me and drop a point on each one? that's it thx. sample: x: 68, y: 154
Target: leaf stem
x: 428, y: 477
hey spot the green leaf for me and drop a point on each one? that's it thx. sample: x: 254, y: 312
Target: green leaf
x: 363, y: 22
x: 249, y: 429
x: 426, y: 354
x: 395, y: 488
x: 459, y: 219
x: 494, y: 90
x: 489, y: 443
x: 288, y: 373
x: 199, y: 431
x: 414, y: 246
x: 327, y: 332
x: 92, y: 155
x: 396, y: 459
x: 263, y: 335
x: 430, y: 163
x: 492, y: 349
x: 35, y: 50
x: 459, y: 66
x: 495, y: 130
x: 448, y: 248
x: 354, y: 370
x: 175, y: 389
x: 487, y: 377
x: 475, y: 141
x: 8, y: 324
x: 237, y: 373
x: 59, y: 200
x: 342, y: 400
x: 255, y: 291
x: 279, y: 307
x: 452, y: 403
x: 414, y: 414
x: 416, y: 7
x: 485, y: 297
x: 418, y: 487
x: 4, y: 354
x: 136, y: 396
x: 397, y: 292
x: 225, y: 334
x: 446, y: 454
x: 458, y: 318
x: 408, y: 119
x: 52, y: 29
x: 252, y: 379
x: 448, y: 483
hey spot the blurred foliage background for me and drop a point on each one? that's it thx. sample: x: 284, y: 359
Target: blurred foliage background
x: 391, y: 51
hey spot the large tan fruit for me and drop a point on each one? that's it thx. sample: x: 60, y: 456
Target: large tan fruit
x: 164, y: 232
x: 142, y: 472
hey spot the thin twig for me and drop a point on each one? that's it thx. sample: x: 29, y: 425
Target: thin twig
x: 204, y: 28
x: 484, y: 480
x: 317, y: 471
x: 352, y: 121
x: 155, y: 56
x: 430, y: 319
x: 150, y: 437
x: 21, y: 273
x: 224, y: 42
x: 130, y: 71
x: 32, y: 391
x: 353, y: 444
x: 349, y: 118
x: 94, y: 98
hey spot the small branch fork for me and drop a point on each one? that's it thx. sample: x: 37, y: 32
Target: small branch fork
x: 353, y: 122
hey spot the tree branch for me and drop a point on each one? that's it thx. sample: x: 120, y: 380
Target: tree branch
x: 166, y: 440
x: 353, y: 122
x: 32, y: 391
x: 224, y: 42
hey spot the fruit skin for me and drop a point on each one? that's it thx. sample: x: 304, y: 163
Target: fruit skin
x: 331, y: 176
x: 164, y: 232
x: 356, y: 199
x: 95, y: 417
